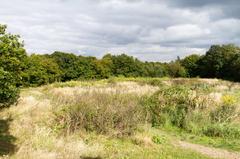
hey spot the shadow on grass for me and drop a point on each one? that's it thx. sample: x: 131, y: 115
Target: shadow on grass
x: 6, y: 139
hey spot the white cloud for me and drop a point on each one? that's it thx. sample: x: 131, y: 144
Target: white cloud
x: 147, y: 29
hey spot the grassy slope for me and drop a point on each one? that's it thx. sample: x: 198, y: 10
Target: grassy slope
x: 35, y: 139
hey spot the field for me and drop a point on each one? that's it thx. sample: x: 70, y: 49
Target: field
x: 147, y: 118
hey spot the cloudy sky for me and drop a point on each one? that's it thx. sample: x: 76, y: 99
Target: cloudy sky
x: 153, y: 30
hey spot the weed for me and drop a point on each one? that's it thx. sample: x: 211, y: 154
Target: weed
x: 117, y: 115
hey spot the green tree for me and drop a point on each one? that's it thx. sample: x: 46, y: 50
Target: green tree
x: 190, y: 63
x: 215, y: 63
x: 102, y: 69
x: 175, y: 69
x: 12, y: 54
x: 154, y: 69
x: 79, y: 67
x: 233, y: 71
x: 127, y: 66
x: 39, y: 70
x: 87, y: 67
x: 69, y: 65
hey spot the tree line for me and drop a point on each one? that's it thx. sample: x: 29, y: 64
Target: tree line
x: 220, y: 61
x: 18, y: 69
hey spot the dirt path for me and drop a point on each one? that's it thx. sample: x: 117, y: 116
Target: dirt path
x: 211, y: 152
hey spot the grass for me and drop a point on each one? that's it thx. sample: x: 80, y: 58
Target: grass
x: 124, y: 118
x: 231, y: 144
x: 104, y: 113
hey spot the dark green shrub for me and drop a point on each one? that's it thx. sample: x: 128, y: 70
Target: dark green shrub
x: 169, y: 103
x: 8, y: 91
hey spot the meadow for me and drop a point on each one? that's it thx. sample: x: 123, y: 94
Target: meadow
x: 124, y: 118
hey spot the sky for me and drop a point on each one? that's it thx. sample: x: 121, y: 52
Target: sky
x: 151, y: 30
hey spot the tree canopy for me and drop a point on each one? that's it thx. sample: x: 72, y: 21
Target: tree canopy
x: 12, y: 55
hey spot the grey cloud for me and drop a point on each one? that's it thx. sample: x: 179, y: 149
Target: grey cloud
x: 147, y: 29
x: 229, y: 8
x: 194, y: 3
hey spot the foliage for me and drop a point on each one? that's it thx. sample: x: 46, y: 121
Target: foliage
x: 158, y: 139
x: 40, y: 70
x: 193, y: 111
x: 223, y: 130
x: 224, y: 114
x: 8, y: 91
x: 218, y: 61
x: 79, y: 67
x: 12, y: 55
x: 175, y: 69
x: 127, y: 66
x: 68, y: 63
x: 234, y: 67
x: 155, y: 69
x: 190, y: 63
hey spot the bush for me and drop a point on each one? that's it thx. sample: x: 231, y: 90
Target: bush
x: 224, y: 114
x: 102, y: 113
x: 222, y: 130
x: 181, y: 107
x: 8, y: 91
x: 194, y: 112
x: 169, y: 103
x: 227, y: 111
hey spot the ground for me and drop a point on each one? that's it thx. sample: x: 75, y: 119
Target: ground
x: 27, y: 129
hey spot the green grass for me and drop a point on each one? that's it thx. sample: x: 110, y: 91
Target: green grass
x: 129, y: 148
x: 126, y: 149
x: 231, y: 144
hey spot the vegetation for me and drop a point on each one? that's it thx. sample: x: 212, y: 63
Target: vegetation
x: 74, y: 119
x: 194, y: 112
x: 40, y: 70
x: 219, y: 62
x: 12, y: 55
x: 8, y: 92
x: 97, y: 112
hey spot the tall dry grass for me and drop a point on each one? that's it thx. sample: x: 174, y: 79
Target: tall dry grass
x: 113, y: 109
